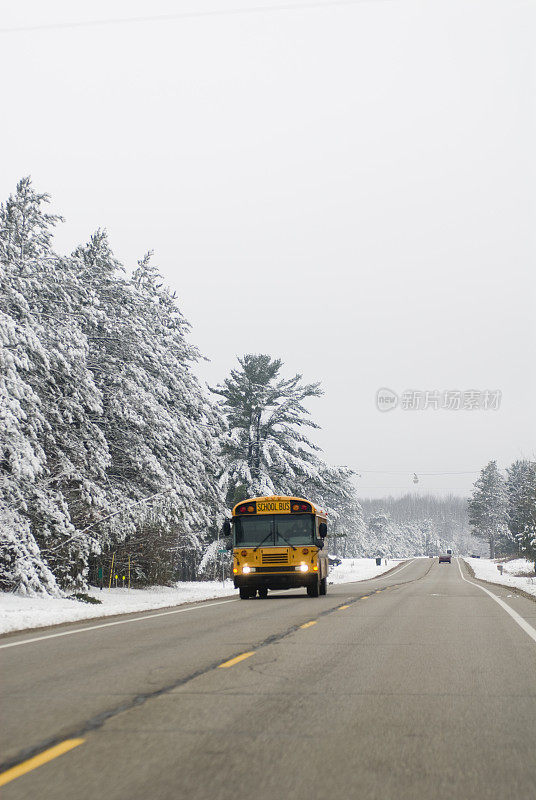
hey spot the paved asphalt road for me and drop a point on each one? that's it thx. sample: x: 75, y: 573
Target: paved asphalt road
x: 414, y: 685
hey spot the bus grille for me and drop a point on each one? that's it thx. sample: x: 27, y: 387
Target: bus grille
x: 274, y: 558
x: 286, y: 568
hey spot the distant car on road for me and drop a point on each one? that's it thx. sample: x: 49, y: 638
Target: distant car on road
x: 446, y: 559
x: 334, y: 561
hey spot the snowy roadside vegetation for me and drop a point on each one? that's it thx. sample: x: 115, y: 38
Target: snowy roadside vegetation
x: 502, y: 510
x: 118, y: 467
x: 115, y: 462
x: 99, y: 412
x: 19, y: 612
x: 517, y: 573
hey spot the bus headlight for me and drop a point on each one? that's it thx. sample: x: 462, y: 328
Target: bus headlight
x: 246, y: 570
x: 302, y: 567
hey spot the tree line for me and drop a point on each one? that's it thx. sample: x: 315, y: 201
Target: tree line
x: 418, y: 524
x: 110, y: 447
x: 113, y: 453
x: 502, y: 509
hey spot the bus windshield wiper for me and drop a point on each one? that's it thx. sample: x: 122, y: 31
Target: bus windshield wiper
x: 263, y: 541
x: 285, y: 540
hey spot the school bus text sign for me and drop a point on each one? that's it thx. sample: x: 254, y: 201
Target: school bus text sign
x: 273, y: 507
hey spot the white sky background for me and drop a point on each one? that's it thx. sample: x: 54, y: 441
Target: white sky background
x: 350, y: 188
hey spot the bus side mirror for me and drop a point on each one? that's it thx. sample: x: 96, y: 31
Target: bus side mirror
x: 323, y: 530
x: 320, y: 544
x: 226, y: 529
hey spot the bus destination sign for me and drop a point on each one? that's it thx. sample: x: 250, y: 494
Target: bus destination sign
x: 273, y: 507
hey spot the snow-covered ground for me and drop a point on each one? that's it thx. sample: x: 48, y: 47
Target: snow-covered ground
x: 514, y: 572
x: 18, y: 613
x: 359, y: 569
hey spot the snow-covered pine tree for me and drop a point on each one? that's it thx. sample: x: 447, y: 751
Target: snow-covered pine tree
x: 381, y: 535
x: 409, y: 541
x: 99, y: 408
x: 22, y: 568
x: 48, y: 389
x: 334, y: 490
x: 521, y: 488
x: 161, y: 430
x: 266, y: 451
x: 190, y: 427
x: 488, y: 508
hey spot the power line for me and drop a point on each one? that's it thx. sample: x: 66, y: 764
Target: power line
x: 189, y: 15
x: 423, y: 492
x: 410, y: 472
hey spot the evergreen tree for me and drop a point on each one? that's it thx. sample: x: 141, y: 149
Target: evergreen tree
x: 26, y: 230
x: 100, y: 411
x: 521, y: 487
x: 488, y: 508
x: 162, y: 432
x: 47, y: 388
x: 335, y: 491
x: 380, y: 535
x: 22, y: 568
x: 266, y: 450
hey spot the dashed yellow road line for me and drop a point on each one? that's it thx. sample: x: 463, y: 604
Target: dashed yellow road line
x: 37, y: 761
x: 340, y: 608
x: 308, y: 624
x: 236, y: 660
x: 365, y: 597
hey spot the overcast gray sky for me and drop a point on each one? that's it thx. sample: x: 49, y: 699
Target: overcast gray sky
x: 348, y: 186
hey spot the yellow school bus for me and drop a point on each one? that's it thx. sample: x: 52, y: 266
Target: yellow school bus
x: 277, y: 544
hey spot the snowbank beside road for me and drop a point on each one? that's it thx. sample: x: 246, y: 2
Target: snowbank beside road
x: 359, y: 569
x: 486, y: 569
x: 18, y: 613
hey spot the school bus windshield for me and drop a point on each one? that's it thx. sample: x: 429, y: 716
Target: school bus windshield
x: 274, y: 530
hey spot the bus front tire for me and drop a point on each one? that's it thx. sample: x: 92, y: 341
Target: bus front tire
x: 246, y: 593
x: 263, y: 593
x: 324, y: 586
x: 314, y: 589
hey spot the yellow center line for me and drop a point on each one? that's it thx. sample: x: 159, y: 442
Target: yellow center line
x: 340, y: 608
x: 366, y: 597
x: 236, y: 660
x: 308, y: 624
x: 37, y: 761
